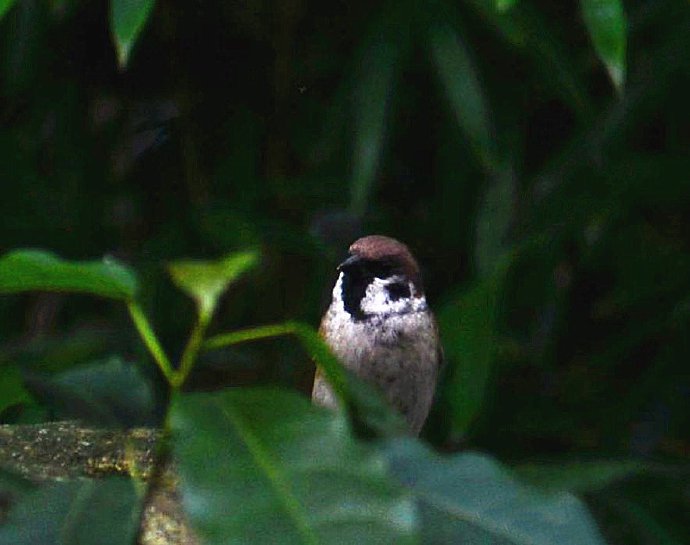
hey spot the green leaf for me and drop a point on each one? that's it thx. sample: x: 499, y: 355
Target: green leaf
x: 494, y: 219
x: 29, y: 270
x: 88, y: 511
x: 606, y: 23
x: 644, y: 524
x: 5, y: 6
x: 578, y: 477
x: 459, y: 77
x: 470, y: 498
x: 283, y: 472
x: 468, y: 329
x: 205, y: 281
x: 109, y: 392
x: 12, y: 389
x: 372, y: 96
x: 56, y: 352
x: 127, y: 20
x: 13, y: 484
x: 526, y: 28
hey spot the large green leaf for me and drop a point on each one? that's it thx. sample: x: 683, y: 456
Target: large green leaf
x: 265, y: 466
x: 205, y: 281
x: 468, y: 328
x: 90, y: 511
x: 606, y: 23
x: 5, y: 6
x: 470, y: 498
x: 127, y: 20
x: 27, y: 270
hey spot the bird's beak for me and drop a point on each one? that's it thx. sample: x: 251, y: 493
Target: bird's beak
x: 349, y: 262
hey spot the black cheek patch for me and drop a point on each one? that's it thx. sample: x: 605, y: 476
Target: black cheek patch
x: 398, y: 291
x: 353, y: 290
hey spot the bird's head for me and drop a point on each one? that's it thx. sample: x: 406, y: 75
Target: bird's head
x: 380, y: 278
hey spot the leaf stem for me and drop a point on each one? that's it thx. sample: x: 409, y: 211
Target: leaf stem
x: 251, y: 334
x: 150, y: 340
x: 309, y: 339
x: 192, y: 349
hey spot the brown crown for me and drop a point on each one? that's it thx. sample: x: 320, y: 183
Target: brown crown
x: 381, y: 248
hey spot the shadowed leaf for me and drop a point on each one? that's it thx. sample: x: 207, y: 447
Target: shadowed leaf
x: 606, y: 24
x: 494, y: 220
x: 642, y: 521
x: 579, y: 477
x: 109, y: 392
x: 459, y: 77
x: 12, y: 389
x: 468, y: 327
x: 127, y: 20
x: 91, y: 511
x: 527, y: 29
x: 505, y: 5
x: 283, y: 472
x: 469, y: 498
x: 5, y: 6
x: 372, y: 97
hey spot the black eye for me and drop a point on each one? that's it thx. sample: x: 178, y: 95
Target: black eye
x: 398, y: 291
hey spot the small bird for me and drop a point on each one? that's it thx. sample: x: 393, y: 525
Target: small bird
x: 380, y: 327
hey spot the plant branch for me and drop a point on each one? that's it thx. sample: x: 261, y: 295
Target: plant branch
x: 192, y: 349
x: 306, y: 335
x: 251, y: 334
x: 150, y: 340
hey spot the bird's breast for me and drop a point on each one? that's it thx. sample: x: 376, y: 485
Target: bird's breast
x: 397, y: 353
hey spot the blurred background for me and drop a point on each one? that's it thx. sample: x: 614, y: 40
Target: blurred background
x: 535, y: 159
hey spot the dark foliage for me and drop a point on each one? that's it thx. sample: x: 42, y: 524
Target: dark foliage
x: 549, y: 207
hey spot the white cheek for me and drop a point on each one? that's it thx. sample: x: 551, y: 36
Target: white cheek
x: 377, y: 299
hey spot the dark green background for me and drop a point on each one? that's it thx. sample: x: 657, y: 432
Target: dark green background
x: 241, y: 125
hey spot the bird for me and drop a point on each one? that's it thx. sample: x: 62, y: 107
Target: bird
x: 380, y: 327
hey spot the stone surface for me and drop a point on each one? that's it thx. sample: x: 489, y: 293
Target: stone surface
x: 65, y: 450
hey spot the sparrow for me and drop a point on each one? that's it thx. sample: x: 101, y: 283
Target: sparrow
x: 380, y: 327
